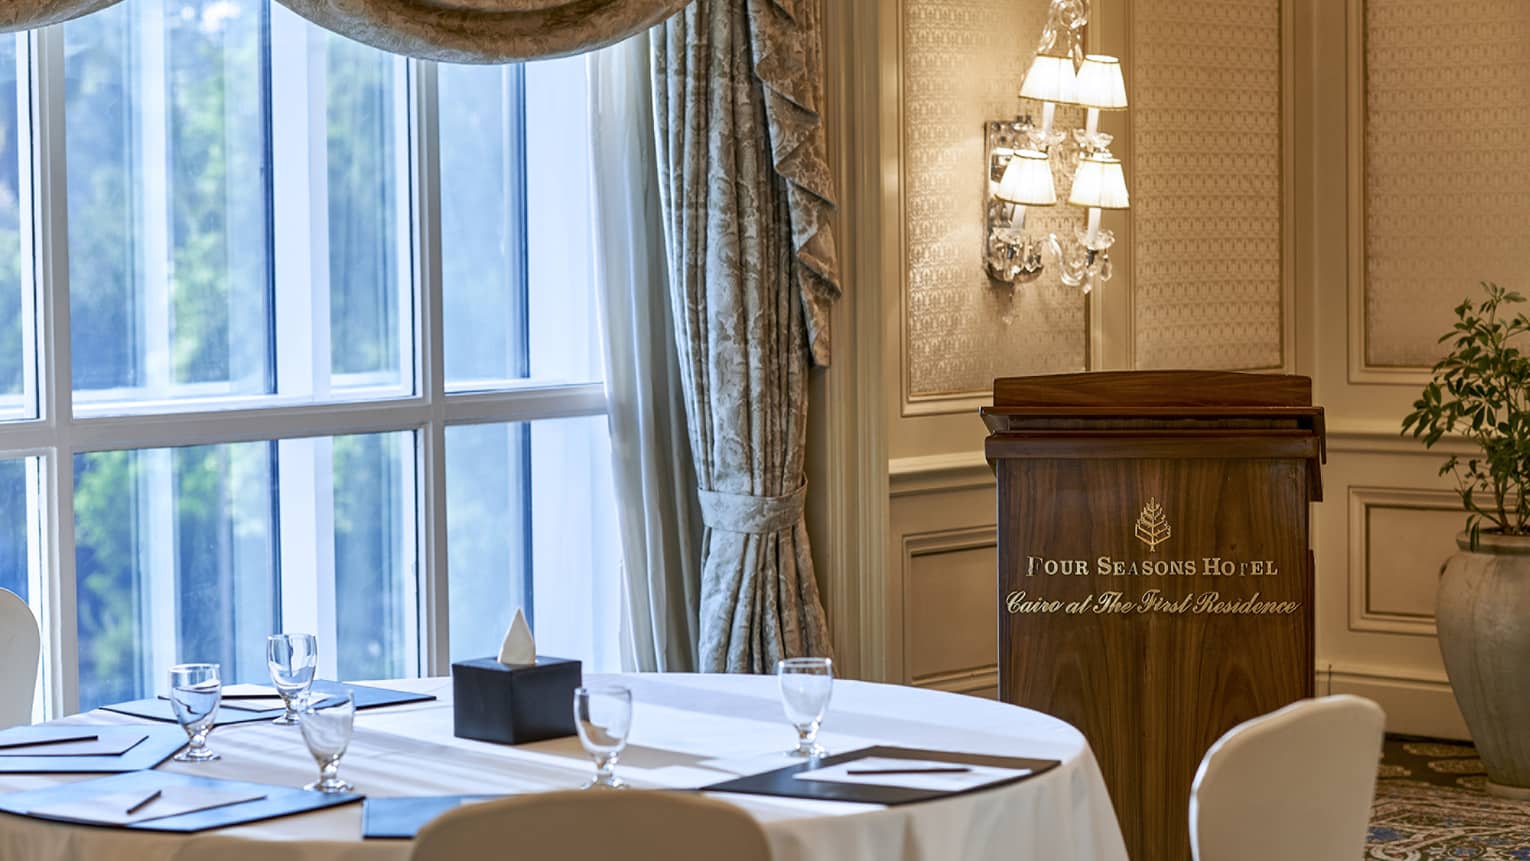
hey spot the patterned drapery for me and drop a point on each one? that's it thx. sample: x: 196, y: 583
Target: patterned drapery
x: 745, y: 191
x: 453, y: 31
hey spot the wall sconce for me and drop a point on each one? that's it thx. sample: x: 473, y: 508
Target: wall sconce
x: 1022, y: 155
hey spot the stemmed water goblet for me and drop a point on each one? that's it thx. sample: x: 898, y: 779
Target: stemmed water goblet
x: 806, y: 685
x: 291, y: 659
x: 603, y: 716
x: 195, y: 691
x: 327, y: 732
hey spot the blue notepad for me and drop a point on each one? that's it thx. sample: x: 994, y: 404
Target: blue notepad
x: 402, y: 818
x: 154, y: 745
x: 74, y: 802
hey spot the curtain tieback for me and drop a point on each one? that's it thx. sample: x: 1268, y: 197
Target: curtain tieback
x: 754, y: 515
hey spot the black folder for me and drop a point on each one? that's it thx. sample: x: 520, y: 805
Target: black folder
x: 159, y: 743
x: 782, y: 783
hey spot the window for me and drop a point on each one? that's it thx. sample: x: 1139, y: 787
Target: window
x: 290, y: 328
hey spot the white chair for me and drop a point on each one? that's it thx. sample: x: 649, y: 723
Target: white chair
x: 20, y: 646
x: 634, y: 825
x: 1295, y: 783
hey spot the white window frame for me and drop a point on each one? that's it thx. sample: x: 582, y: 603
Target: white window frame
x: 56, y: 435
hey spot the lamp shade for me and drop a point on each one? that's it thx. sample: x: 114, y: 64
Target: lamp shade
x: 1027, y: 180
x: 1099, y: 183
x: 1050, y: 79
x: 1099, y: 83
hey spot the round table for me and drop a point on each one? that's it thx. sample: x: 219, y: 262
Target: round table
x: 688, y: 731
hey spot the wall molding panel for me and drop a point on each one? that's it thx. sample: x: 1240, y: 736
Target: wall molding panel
x: 1410, y: 524
x: 1213, y: 283
x: 950, y: 571
x: 1439, y: 171
x: 961, y: 66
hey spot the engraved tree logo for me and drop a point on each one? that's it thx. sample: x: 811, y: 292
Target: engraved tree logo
x: 1153, y: 525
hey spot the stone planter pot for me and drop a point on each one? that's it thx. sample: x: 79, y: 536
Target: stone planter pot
x: 1483, y: 613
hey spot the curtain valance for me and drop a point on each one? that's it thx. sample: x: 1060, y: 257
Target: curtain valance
x: 454, y: 31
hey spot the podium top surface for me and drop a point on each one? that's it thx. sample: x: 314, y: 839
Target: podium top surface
x: 1124, y: 389
x: 1157, y: 414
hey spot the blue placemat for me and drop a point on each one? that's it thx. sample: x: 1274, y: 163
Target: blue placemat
x: 367, y: 697
x: 402, y: 818
x: 371, y: 696
x: 278, y: 800
x: 158, y: 745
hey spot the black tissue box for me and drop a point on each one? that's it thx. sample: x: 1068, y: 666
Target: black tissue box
x: 514, y: 703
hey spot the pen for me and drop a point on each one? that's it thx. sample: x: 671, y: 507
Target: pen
x: 144, y: 803
x: 955, y: 769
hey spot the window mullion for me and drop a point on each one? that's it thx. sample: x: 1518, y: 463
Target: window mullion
x: 300, y: 205
x: 49, y: 268
x: 425, y: 185
x: 152, y: 154
x: 157, y: 587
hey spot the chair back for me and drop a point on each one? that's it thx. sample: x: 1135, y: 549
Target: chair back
x: 634, y: 825
x: 21, y: 645
x: 1295, y: 783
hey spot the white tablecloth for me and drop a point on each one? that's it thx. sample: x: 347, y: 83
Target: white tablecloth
x: 688, y: 730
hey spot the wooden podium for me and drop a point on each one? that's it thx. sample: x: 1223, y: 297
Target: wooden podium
x: 1155, y: 586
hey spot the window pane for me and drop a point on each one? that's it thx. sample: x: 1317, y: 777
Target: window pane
x: 19, y: 526
x: 369, y: 252
x: 515, y: 225
x: 169, y: 247
x: 174, y: 557
x: 375, y: 559
x: 531, y: 523
x: 235, y: 175
x: 17, y: 393
x: 177, y: 559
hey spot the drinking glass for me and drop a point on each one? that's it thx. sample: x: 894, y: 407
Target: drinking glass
x: 195, y: 691
x: 327, y: 732
x: 806, y: 684
x: 603, y: 716
x: 291, y: 659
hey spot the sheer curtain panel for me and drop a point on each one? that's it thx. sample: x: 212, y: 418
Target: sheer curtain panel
x: 659, y: 514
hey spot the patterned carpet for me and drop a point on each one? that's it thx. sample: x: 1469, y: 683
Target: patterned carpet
x: 1430, y: 805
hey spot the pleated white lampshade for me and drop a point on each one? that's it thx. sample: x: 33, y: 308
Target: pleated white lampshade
x: 1050, y: 79
x: 1099, y: 83
x: 1100, y: 183
x: 1027, y: 180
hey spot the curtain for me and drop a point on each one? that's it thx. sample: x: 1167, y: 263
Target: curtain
x: 452, y: 31
x: 659, y: 513
x: 744, y: 188
x: 26, y: 14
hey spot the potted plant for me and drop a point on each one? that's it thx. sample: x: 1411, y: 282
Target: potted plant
x: 1481, y: 391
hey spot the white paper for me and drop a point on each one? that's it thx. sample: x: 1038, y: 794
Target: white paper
x: 111, y: 808
x: 518, y: 647
x: 249, y: 691
x: 108, y: 743
x: 976, y: 776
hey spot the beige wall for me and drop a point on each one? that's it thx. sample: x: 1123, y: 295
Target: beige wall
x: 1246, y: 155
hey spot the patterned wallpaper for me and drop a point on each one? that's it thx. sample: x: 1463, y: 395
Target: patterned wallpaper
x: 962, y: 65
x: 1205, y: 78
x: 1447, y: 165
